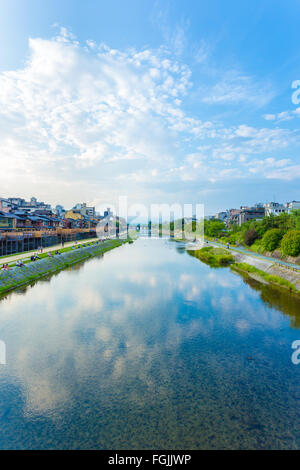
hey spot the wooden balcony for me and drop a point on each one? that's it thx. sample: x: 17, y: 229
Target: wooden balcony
x: 39, y: 233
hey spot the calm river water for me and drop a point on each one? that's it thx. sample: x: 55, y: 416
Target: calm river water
x: 148, y: 348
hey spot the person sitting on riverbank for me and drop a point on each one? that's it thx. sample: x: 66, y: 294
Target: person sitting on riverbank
x: 5, y: 267
x: 20, y: 263
x: 57, y: 253
x: 50, y: 254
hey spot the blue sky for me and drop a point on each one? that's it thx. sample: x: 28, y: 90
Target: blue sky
x: 162, y: 101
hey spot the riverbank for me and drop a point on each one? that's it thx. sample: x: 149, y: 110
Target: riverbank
x: 265, y: 277
x: 19, y: 276
x: 290, y: 279
x: 257, y: 250
x: 11, y: 259
x: 214, y: 257
x: 262, y: 270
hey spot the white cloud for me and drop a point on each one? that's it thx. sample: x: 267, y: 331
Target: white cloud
x: 92, y: 120
x: 236, y: 87
x: 290, y: 172
x: 270, y: 117
x: 85, y: 105
x: 283, y: 116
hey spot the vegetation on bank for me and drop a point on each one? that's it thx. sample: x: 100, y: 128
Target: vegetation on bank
x: 280, y: 233
x: 214, y: 257
x: 48, y: 248
x: 269, y: 278
x: 32, y: 271
x: 219, y: 257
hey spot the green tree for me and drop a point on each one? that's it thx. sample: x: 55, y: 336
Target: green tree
x: 250, y: 236
x: 295, y: 218
x: 284, y: 222
x: 271, y: 239
x: 213, y: 228
x: 267, y: 223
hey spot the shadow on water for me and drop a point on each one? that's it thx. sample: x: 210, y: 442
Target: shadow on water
x: 275, y: 297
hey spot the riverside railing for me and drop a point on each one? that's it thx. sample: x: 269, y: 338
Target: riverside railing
x: 12, y: 242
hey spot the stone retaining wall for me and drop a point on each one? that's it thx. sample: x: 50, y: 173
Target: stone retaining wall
x: 18, y: 276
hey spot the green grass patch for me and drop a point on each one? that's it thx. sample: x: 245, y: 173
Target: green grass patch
x: 59, y: 250
x: 214, y: 257
x: 256, y: 248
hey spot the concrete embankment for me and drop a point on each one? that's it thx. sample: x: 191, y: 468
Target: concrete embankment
x: 18, y: 276
x: 268, y: 267
x: 261, y: 269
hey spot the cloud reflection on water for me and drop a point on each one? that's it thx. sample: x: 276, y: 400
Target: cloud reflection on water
x: 124, y: 323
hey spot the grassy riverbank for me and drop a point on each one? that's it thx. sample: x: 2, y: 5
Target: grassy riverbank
x: 219, y: 257
x: 34, y: 270
x: 260, y: 275
x: 273, y: 235
x: 24, y: 255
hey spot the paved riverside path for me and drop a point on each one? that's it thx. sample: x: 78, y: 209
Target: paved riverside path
x: 243, y: 251
x: 26, y: 254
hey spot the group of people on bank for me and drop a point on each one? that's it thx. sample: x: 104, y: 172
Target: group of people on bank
x: 5, y: 267
x: 35, y: 257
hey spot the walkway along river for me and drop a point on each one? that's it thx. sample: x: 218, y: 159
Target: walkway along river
x: 52, y: 262
x: 147, y: 347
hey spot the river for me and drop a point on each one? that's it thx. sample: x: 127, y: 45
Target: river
x: 149, y: 348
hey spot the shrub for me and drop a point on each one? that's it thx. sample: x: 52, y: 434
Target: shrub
x: 213, y: 228
x: 257, y: 246
x: 271, y: 239
x: 215, y: 257
x: 225, y: 260
x: 290, y: 243
x: 207, y: 248
x: 250, y: 236
x: 233, y: 238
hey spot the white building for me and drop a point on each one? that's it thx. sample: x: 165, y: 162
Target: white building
x: 84, y: 209
x: 17, y: 203
x: 60, y: 211
x: 291, y: 206
x: 223, y: 216
x: 274, y: 208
